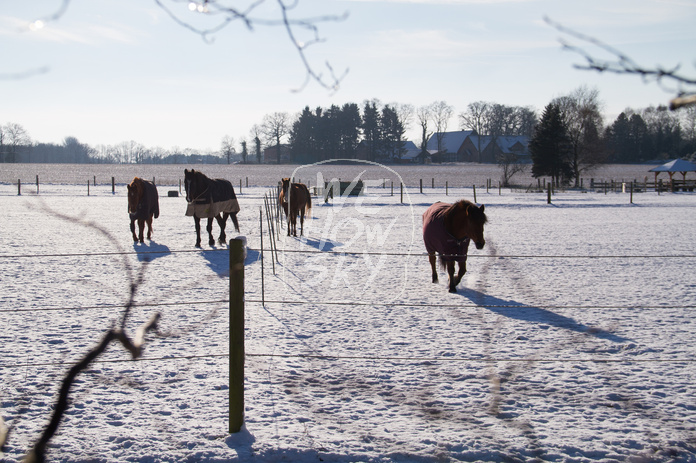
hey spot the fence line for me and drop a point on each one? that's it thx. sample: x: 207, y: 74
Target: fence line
x: 362, y: 304
x: 369, y: 357
x: 362, y: 253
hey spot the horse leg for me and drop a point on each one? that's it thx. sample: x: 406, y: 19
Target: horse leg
x: 211, y: 240
x: 233, y: 216
x: 432, y: 259
x: 301, y: 222
x: 222, y: 222
x: 460, y: 273
x: 452, y: 281
x: 197, y: 221
x: 132, y: 227
x: 149, y: 228
x: 141, y: 226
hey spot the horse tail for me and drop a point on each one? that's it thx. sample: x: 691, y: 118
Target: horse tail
x: 309, y: 202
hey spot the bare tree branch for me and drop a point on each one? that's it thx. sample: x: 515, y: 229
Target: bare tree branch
x: 38, y: 452
x: 229, y: 14
x: 623, y: 64
x: 135, y: 346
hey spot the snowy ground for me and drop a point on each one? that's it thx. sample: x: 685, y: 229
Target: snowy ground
x: 571, y: 337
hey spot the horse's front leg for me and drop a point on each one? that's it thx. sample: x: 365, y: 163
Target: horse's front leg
x: 197, y: 221
x: 132, y: 227
x: 460, y: 273
x: 211, y: 240
x: 222, y: 222
x: 141, y: 227
x: 452, y: 280
x: 432, y: 259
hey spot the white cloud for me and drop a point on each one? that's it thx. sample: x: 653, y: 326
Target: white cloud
x: 438, y: 44
x: 56, y: 31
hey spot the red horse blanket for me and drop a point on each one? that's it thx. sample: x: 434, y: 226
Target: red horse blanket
x: 438, y: 239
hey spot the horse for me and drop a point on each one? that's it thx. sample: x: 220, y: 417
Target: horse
x: 447, y: 230
x: 143, y: 205
x: 210, y: 198
x: 296, y: 200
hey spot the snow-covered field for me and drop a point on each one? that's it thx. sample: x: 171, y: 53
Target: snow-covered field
x: 571, y: 337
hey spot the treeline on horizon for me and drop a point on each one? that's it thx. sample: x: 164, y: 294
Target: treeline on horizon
x: 635, y: 136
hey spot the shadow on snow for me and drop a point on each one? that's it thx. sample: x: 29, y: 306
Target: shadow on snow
x: 531, y: 314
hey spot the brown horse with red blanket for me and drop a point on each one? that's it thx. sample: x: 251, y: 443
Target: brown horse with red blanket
x: 143, y: 205
x: 296, y: 200
x: 447, y: 230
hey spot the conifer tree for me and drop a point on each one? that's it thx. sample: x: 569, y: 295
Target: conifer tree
x: 549, y: 147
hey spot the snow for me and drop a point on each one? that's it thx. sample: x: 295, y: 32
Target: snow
x: 570, y: 339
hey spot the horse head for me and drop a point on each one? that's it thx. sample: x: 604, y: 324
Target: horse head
x: 286, y: 185
x: 192, y: 184
x: 135, y: 194
x: 467, y: 221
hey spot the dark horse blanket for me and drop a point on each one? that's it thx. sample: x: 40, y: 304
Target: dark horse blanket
x: 438, y: 239
x: 218, y: 197
x: 148, y: 204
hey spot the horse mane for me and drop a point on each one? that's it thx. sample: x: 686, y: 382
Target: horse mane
x: 135, y: 182
x: 461, y: 206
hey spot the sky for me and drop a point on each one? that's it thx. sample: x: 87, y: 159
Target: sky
x: 113, y: 71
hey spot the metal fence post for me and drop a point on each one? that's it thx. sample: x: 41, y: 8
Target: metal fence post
x: 236, y: 409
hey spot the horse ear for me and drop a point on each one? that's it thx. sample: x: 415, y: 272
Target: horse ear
x: 482, y: 207
x: 186, y: 171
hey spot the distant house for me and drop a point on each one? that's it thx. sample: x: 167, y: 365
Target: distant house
x: 468, y: 146
x: 493, y: 147
x: 453, y: 147
x: 409, y: 152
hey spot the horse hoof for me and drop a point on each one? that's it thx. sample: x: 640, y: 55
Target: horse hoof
x: 453, y: 290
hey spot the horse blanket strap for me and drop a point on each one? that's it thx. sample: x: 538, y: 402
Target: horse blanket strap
x: 149, y: 203
x: 438, y: 239
x: 209, y: 210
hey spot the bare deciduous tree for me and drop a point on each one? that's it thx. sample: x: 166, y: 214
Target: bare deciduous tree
x: 13, y: 138
x: 442, y: 112
x: 581, y: 112
x: 274, y: 127
x: 423, y: 116
x: 228, y: 148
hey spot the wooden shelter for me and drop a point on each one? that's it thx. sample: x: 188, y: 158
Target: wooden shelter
x: 677, y: 165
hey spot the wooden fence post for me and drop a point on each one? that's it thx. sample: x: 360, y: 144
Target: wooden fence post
x: 37, y: 184
x: 475, y: 202
x: 113, y: 186
x: 236, y: 408
x: 421, y: 186
x: 402, y: 192
x: 19, y: 187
